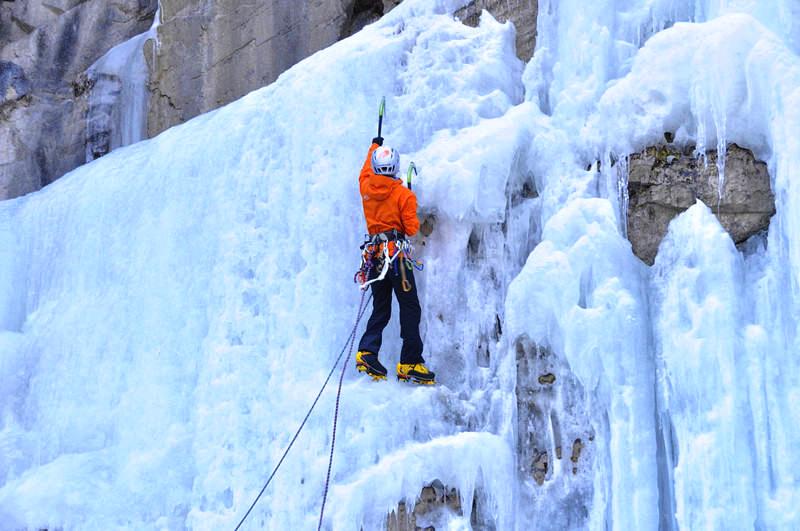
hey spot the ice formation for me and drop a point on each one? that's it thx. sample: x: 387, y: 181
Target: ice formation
x: 168, y: 312
x: 117, y: 114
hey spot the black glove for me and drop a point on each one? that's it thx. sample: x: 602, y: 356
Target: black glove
x: 378, y: 140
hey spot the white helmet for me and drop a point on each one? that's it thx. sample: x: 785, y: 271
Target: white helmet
x: 385, y: 161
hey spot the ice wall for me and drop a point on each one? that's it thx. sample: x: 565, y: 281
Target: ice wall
x: 168, y: 312
x: 170, y: 309
x: 708, y: 318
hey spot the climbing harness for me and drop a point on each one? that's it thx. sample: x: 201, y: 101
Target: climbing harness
x: 362, y: 309
x: 381, y: 251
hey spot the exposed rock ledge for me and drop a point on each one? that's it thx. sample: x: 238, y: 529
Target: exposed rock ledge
x: 434, y: 500
x: 663, y: 181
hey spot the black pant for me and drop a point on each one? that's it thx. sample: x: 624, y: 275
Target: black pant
x: 410, y: 314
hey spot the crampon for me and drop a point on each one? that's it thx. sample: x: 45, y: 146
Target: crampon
x: 368, y: 363
x: 416, y: 373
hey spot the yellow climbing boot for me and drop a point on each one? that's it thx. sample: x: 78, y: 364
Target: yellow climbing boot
x: 415, y: 373
x: 368, y: 362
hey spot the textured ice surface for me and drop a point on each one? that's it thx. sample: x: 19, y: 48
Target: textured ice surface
x: 717, y: 325
x: 168, y: 312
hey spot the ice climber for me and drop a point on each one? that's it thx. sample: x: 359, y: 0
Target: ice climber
x: 390, y: 210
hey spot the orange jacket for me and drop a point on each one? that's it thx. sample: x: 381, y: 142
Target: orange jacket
x: 387, y: 203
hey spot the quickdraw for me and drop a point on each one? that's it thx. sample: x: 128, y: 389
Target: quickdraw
x: 379, y: 253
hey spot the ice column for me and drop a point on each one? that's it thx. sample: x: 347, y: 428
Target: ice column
x: 117, y: 114
x: 700, y: 364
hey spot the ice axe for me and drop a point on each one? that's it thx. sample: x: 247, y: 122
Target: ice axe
x: 380, y: 114
x: 412, y: 169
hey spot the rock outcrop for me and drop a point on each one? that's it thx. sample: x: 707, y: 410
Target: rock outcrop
x: 433, y: 504
x: 212, y: 52
x: 45, y: 47
x: 663, y: 181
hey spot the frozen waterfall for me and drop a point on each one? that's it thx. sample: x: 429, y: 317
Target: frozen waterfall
x: 169, y: 311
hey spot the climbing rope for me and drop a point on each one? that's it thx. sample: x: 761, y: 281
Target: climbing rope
x: 335, y: 419
x: 362, y: 308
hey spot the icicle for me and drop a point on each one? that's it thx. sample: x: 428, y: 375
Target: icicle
x: 153, y: 32
x: 722, y: 151
x: 621, y: 170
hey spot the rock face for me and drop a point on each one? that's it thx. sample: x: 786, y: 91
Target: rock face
x: 22, y: 18
x: 44, y: 49
x: 522, y: 13
x: 663, y: 181
x: 214, y: 51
